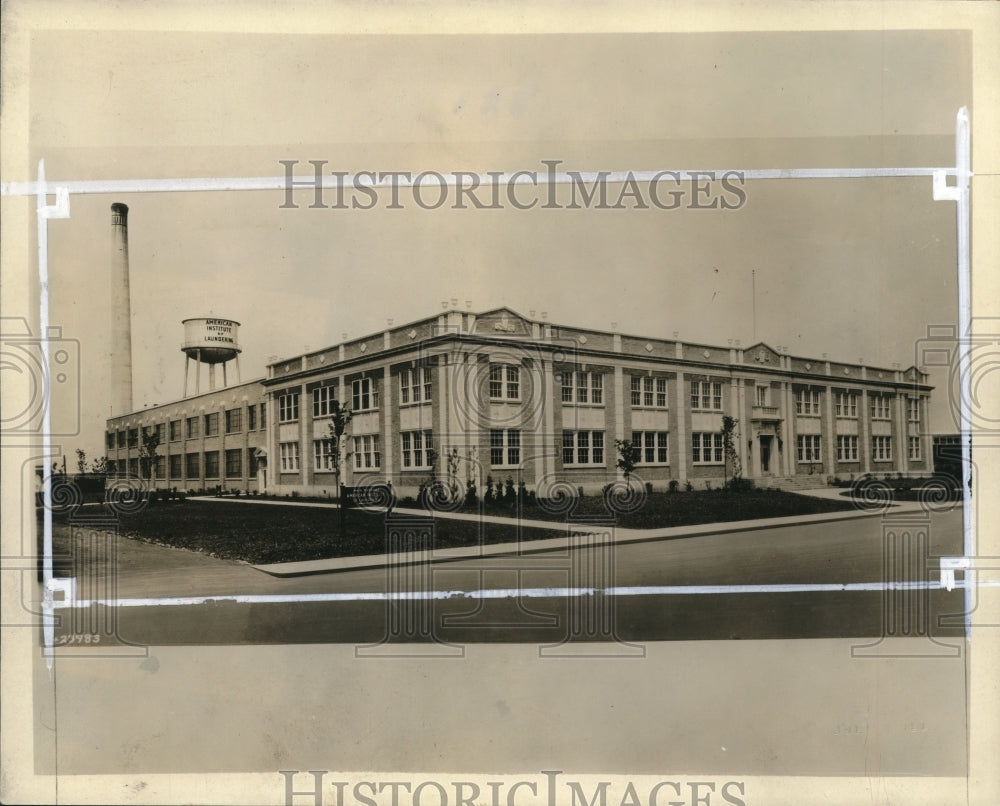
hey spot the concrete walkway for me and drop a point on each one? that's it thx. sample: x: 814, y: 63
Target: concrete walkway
x: 582, y: 534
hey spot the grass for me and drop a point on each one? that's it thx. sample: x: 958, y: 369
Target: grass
x: 663, y: 509
x: 273, y: 533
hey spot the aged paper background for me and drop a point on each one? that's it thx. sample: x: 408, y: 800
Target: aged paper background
x: 167, y: 68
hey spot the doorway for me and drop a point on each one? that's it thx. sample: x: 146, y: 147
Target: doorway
x: 765, y: 455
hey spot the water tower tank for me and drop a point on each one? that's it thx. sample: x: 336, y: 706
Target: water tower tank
x: 210, y: 340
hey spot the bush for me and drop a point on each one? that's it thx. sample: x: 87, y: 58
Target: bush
x: 471, y: 496
x: 688, y: 486
x: 649, y: 487
x: 673, y: 485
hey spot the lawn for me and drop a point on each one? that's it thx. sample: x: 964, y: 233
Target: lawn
x: 259, y: 533
x: 665, y: 509
x: 272, y: 534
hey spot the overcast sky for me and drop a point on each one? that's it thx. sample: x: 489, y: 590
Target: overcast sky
x: 853, y: 268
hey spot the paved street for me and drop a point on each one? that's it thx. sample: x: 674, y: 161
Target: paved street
x: 228, y: 686
x: 833, y: 552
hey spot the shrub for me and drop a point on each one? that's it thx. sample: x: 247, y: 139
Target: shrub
x: 509, y: 496
x: 708, y: 485
x: 673, y: 485
x: 649, y: 487
x: 489, y: 496
x: 471, y: 496
x: 579, y: 491
x: 688, y: 486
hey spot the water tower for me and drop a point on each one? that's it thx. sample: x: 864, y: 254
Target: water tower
x: 211, y: 341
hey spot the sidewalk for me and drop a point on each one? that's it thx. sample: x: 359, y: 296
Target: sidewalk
x: 580, y: 532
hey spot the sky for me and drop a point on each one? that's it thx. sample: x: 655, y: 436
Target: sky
x: 856, y: 268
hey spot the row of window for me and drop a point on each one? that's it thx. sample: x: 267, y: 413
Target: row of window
x: 807, y: 403
x: 579, y: 448
x: 192, y: 427
x: 190, y: 465
x: 504, y: 385
x: 808, y: 448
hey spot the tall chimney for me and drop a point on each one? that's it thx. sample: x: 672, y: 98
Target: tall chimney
x: 121, y: 314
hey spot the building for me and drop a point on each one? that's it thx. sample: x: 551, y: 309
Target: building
x: 215, y: 439
x: 472, y: 396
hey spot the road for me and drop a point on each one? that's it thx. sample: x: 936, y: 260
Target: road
x: 231, y: 687
x: 833, y: 552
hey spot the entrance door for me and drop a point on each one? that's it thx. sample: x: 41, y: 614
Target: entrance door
x: 765, y: 455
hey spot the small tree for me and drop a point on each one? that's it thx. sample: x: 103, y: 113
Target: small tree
x: 99, y: 465
x: 628, y: 457
x: 81, y: 461
x: 732, y: 457
x: 147, y: 454
x: 342, y: 416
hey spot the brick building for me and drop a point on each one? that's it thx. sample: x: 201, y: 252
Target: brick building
x: 500, y: 395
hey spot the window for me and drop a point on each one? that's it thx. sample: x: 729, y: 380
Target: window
x: 505, y: 382
x: 882, y: 449
x: 288, y: 407
x: 847, y: 449
x: 252, y: 457
x: 121, y: 439
x: 175, y: 466
x: 192, y: 465
x: 160, y: 467
x: 289, y: 453
x: 583, y: 387
x: 913, y: 410
x: 583, y: 447
x: 160, y: 429
x: 263, y: 414
x: 234, y: 421
x: 648, y: 392
x: 761, y: 395
x: 706, y: 448
x: 175, y: 430
x: 211, y: 464
x: 251, y: 418
x: 913, y: 447
x: 323, y: 455
x: 847, y: 404
x: 366, y: 453
x: 133, y: 467
x: 111, y: 440
x: 133, y: 437
x: 415, y: 386
x: 706, y: 395
x: 212, y: 424
x: 364, y: 394
x: 880, y: 407
x: 417, y: 447
x: 323, y: 400
x: 807, y: 402
x: 505, y: 447
x: 808, y: 447
x: 191, y: 424
x: 234, y: 463
x: 651, y: 447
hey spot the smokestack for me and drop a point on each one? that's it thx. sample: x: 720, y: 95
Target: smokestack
x: 121, y: 314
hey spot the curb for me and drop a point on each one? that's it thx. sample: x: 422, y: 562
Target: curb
x: 622, y: 537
